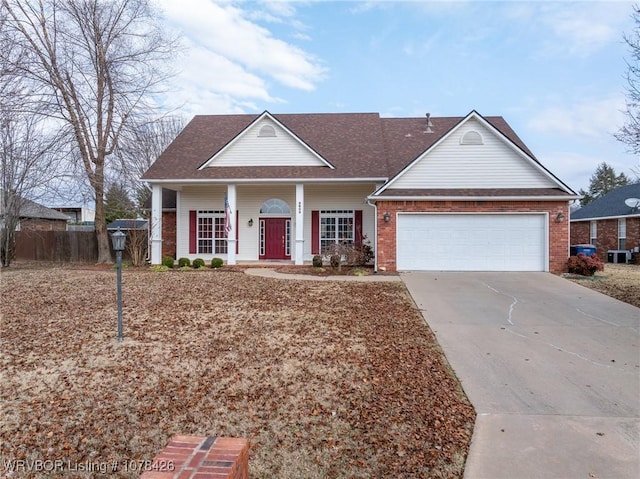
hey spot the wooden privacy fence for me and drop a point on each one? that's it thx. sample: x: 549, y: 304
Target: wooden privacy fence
x: 60, y: 246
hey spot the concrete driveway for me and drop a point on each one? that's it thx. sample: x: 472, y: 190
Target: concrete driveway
x: 552, y: 369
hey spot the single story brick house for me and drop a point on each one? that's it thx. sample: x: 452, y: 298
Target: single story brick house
x: 609, y: 223
x: 37, y: 217
x: 447, y: 193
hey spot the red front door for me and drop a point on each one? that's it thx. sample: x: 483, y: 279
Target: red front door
x: 273, y: 238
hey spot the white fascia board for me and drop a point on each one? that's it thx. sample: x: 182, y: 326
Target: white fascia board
x: 520, y: 152
x: 475, y: 115
x: 199, y: 181
x: 470, y: 198
x: 636, y: 215
x: 266, y: 114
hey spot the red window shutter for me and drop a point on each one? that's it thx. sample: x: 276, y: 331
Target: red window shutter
x: 193, y: 232
x: 315, y: 232
x: 358, y: 227
x: 237, y: 231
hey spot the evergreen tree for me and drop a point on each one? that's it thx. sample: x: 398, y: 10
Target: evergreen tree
x: 603, y: 180
x: 117, y: 204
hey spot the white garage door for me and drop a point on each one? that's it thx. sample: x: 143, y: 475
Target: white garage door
x: 471, y: 242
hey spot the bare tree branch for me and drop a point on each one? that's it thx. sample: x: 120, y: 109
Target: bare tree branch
x: 96, y: 63
x: 630, y: 131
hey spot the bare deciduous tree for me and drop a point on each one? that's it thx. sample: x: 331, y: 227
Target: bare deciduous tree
x: 139, y: 147
x: 95, y: 62
x: 28, y: 165
x: 29, y: 156
x: 630, y: 131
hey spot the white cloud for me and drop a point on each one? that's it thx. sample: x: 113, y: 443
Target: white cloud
x: 231, y: 56
x: 573, y: 28
x: 590, y: 118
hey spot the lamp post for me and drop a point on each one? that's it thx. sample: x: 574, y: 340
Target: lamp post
x: 118, y: 240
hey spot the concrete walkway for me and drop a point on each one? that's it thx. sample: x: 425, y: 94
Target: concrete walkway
x: 271, y: 273
x: 552, y: 369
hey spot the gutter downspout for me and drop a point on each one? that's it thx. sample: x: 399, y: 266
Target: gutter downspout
x: 375, y: 235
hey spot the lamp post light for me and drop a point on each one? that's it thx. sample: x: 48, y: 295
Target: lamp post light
x: 118, y: 239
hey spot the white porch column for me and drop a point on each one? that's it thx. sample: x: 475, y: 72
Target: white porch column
x: 231, y: 236
x: 156, y: 224
x: 299, y: 258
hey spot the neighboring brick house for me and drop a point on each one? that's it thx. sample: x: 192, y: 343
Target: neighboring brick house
x: 36, y: 217
x: 609, y: 223
x: 448, y: 193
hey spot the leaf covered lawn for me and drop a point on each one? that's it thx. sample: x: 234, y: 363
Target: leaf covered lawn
x: 326, y: 379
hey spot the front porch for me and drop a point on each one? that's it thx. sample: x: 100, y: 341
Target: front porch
x: 257, y: 223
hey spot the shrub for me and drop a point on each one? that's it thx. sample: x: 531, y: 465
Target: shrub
x: 198, y: 263
x: 352, y: 254
x: 317, y: 261
x: 184, y: 262
x: 217, y: 263
x: 584, y: 265
x: 335, y: 260
x: 159, y: 268
x: 168, y: 261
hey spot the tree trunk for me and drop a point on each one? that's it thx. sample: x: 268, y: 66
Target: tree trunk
x: 104, y: 252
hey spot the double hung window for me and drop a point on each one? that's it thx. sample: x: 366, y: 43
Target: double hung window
x: 622, y: 233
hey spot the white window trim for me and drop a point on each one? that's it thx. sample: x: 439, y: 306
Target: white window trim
x: 287, y: 241
x: 275, y: 207
x: 262, y: 238
x: 593, y: 232
x: 216, y: 241
x: 622, y: 233
x: 336, y: 214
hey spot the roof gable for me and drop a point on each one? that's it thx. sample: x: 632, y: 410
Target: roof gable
x: 266, y: 142
x: 473, y: 154
x: 351, y: 142
x: 610, y: 205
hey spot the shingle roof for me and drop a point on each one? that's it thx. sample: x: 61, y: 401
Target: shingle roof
x: 128, y: 224
x: 611, y: 204
x: 359, y: 145
x: 31, y: 209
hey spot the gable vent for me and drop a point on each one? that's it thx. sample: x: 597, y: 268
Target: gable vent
x: 267, y: 131
x: 471, y: 138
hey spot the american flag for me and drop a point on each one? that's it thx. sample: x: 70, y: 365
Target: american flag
x: 227, y: 215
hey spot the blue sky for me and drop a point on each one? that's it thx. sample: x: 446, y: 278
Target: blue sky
x: 554, y: 70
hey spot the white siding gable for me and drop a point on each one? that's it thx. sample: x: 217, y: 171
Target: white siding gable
x: 251, y: 148
x: 469, y: 164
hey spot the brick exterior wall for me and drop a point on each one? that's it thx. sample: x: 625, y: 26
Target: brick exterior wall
x: 169, y: 234
x: 558, y: 232
x: 607, y: 235
x: 41, y: 224
x: 194, y: 457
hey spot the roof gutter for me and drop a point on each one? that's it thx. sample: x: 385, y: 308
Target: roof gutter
x: 199, y: 181
x: 473, y: 198
x: 597, y: 218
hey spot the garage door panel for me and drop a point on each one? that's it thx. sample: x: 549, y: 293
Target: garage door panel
x: 508, y: 242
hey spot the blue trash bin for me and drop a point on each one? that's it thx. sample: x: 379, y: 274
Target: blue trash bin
x: 585, y: 249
